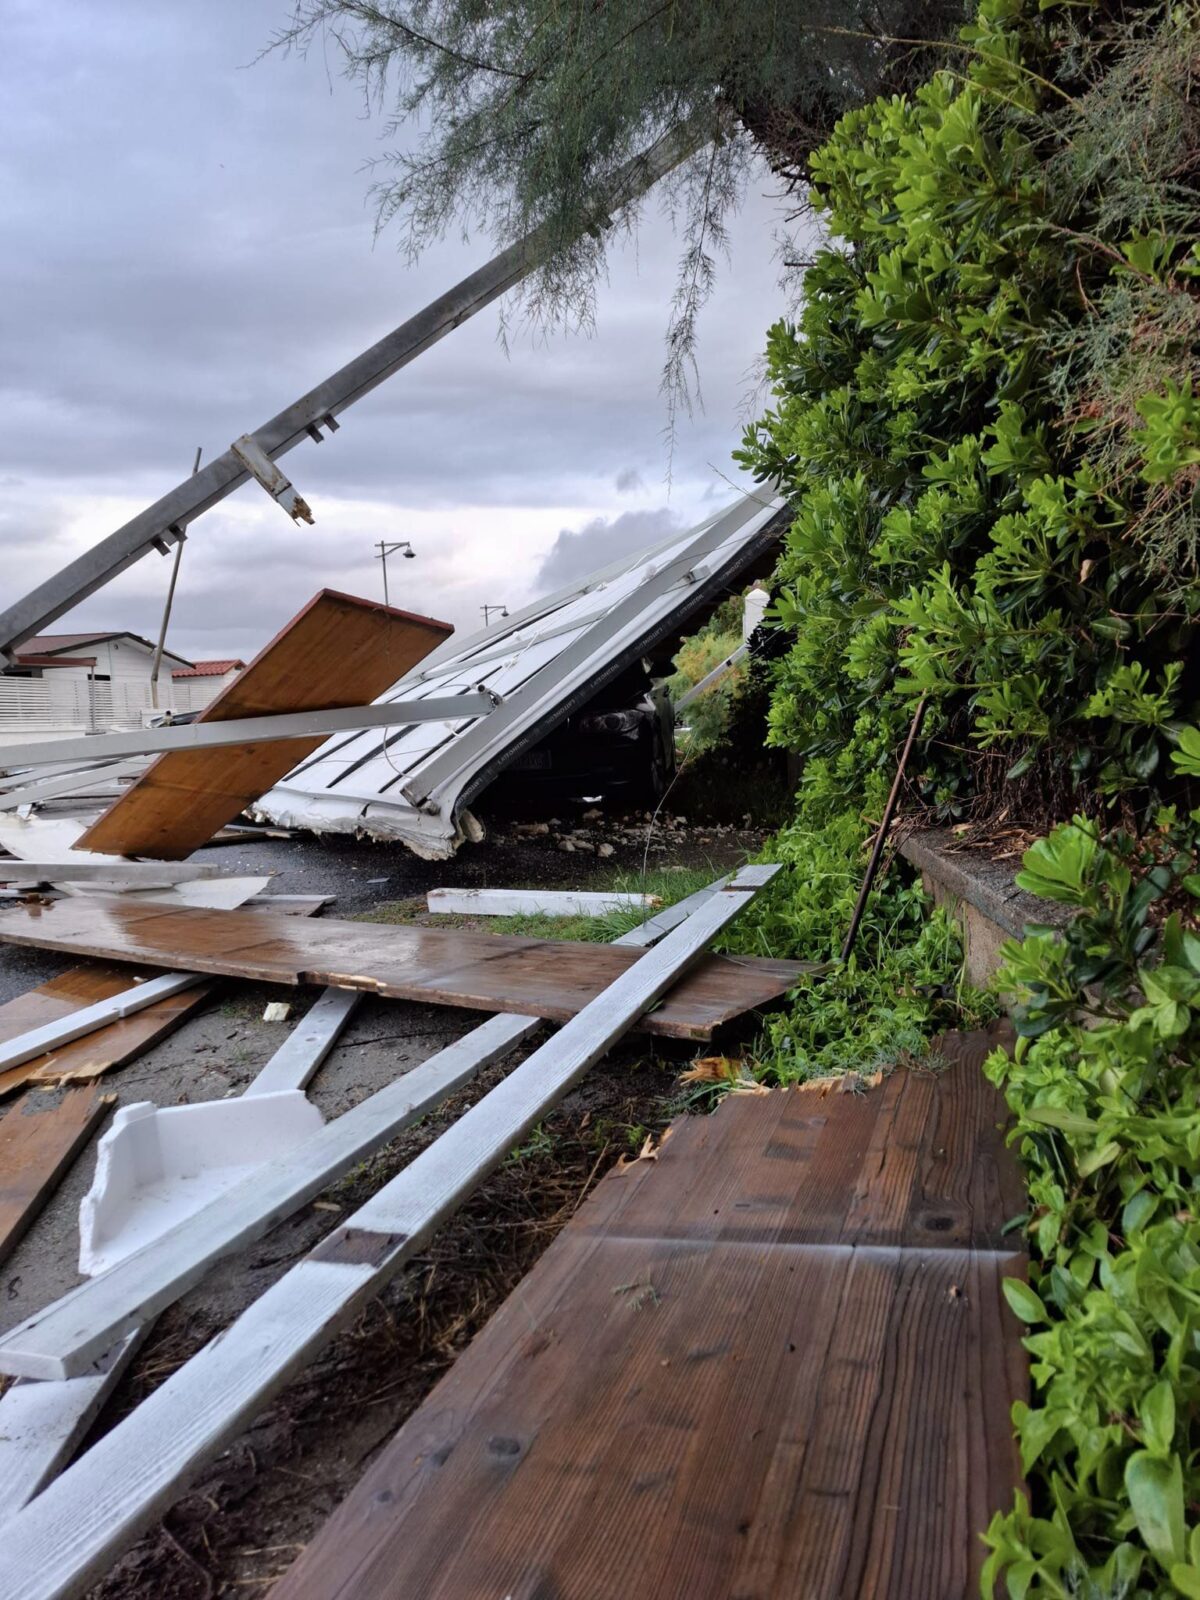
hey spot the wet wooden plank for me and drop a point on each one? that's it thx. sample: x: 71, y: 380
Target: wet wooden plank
x: 742, y: 1370
x: 109, y: 1047
x: 37, y: 1145
x: 338, y: 651
x: 482, y: 971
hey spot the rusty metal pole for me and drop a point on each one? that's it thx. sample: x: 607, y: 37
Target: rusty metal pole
x: 889, y: 811
x: 162, y: 632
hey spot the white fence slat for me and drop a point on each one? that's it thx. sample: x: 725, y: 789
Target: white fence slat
x: 37, y: 1041
x: 309, y: 1042
x: 42, y: 1423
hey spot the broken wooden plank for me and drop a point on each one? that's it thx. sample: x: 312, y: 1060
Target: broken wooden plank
x: 37, y: 1145
x: 337, y: 651
x: 64, y: 1538
x: 94, y: 1053
x: 48, y: 1036
x: 535, y: 902
x: 787, y: 1394
x: 484, y: 971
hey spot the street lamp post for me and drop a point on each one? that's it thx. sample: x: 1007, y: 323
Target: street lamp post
x: 389, y: 547
x: 487, y: 613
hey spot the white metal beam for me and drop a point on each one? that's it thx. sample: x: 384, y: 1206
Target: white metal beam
x: 89, y: 780
x: 252, y: 730
x: 163, y: 523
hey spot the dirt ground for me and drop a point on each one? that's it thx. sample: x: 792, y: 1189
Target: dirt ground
x: 251, y: 1511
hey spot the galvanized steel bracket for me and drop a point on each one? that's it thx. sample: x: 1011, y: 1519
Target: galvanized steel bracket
x: 260, y: 466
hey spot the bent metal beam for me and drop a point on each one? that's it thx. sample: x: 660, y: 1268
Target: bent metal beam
x: 163, y: 524
x: 253, y: 730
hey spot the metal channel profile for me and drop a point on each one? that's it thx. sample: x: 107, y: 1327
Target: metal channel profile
x: 257, y: 730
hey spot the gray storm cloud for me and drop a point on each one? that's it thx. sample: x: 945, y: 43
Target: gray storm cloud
x: 189, y: 247
x: 576, y: 553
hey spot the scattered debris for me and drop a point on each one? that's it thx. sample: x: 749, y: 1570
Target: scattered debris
x: 641, y: 1293
x: 338, y: 651
x: 277, y: 1011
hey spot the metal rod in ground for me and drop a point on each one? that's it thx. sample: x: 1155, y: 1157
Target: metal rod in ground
x: 166, y: 616
x: 889, y: 811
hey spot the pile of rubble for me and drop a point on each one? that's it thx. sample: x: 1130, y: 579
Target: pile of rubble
x: 596, y: 834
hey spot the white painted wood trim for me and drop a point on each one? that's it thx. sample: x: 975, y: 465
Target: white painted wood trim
x: 60, y: 1341
x: 534, y: 902
x: 310, y: 1041
x: 119, y: 874
x: 42, y: 1423
x: 248, y: 730
x: 67, y: 1536
x: 14, y: 1052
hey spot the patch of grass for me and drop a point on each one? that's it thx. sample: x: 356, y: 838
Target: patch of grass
x: 401, y: 912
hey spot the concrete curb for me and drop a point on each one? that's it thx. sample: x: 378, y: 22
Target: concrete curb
x: 981, y: 894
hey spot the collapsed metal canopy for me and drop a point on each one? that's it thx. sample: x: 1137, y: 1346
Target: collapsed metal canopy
x: 544, y: 663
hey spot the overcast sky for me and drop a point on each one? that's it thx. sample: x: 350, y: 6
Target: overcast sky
x: 188, y: 246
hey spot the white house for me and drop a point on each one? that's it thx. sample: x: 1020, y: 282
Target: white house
x: 193, y: 687
x: 60, y: 683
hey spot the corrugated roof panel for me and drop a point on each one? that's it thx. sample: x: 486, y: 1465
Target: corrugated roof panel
x: 543, y: 663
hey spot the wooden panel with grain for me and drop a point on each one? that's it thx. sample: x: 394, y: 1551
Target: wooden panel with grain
x: 37, y: 1145
x: 750, y: 1367
x: 338, y: 651
x: 444, y: 966
x: 97, y: 1052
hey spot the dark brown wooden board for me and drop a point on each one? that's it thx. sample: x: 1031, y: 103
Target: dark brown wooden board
x: 773, y: 1364
x: 338, y: 651
x: 444, y: 966
x: 38, y: 1142
x: 110, y: 1046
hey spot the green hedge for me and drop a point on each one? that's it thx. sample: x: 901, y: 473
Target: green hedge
x: 985, y: 417
x: 1105, y: 1085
